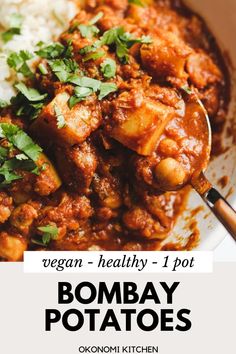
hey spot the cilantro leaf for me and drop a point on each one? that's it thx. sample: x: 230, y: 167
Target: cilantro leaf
x: 81, y: 93
x: 86, y: 81
x: 51, y: 51
x: 88, y: 31
x: 3, y: 103
x: 20, y: 140
x: 7, y: 170
x: 3, y: 154
x: 117, y: 37
x: 7, y: 176
x: 74, y: 100
x: 63, y: 68
x: 94, y: 56
x: 96, y: 18
x: 106, y: 88
x: 25, y: 160
x: 61, y: 123
x: 187, y: 89
x: 108, y: 68
x: 136, y: 2
x: 18, y: 62
x: 28, y: 102
x: 15, y: 164
x: 24, y: 143
x: 50, y: 232
x: 21, y: 157
x: 43, y: 69
x: 31, y: 94
x: 15, y: 27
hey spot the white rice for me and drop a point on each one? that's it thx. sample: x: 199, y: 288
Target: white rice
x: 43, y: 20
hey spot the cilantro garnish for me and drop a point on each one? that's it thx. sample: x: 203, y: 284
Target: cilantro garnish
x: 18, y: 62
x: 86, y: 81
x: 106, y: 88
x: 31, y: 94
x: 21, y: 157
x: 86, y: 86
x: 20, y: 140
x: 96, y: 18
x: 187, y: 89
x: 63, y: 68
x: 61, y: 123
x: 43, y: 69
x: 108, y: 68
x: 121, y: 40
x: 28, y: 101
x: 136, y: 2
x: 81, y: 93
x: 89, y: 31
x: 50, y: 232
x: 94, y: 56
x: 51, y: 51
x: 15, y: 27
x: 25, y: 160
x: 3, y: 103
x: 3, y: 154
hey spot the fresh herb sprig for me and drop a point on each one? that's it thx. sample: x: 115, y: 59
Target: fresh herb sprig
x: 49, y: 233
x: 28, y: 102
x: 18, y: 62
x: 51, y: 51
x: 86, y: 86
x: 89, y: 30
x: 25, y: 160
x: 121, y: 40
x: 108, y: 68
x: 63, y: 68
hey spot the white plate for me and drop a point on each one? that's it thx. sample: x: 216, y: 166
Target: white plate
x: 220, y: 17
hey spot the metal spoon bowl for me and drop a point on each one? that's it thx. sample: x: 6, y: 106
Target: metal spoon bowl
x: 215, y: 201
x: 211, y: 196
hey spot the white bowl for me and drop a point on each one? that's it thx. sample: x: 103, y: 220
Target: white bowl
x: 220, y: 17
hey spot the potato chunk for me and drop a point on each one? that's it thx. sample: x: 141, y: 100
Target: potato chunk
x: 79, y: 121
x: 202, y: 70
x: 143, y: 126
x: 48, y: 180
x: 166, y: 56
x: 77, y: 166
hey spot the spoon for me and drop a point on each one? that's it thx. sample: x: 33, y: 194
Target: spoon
x: 215, y: 201
x: 211, y: 196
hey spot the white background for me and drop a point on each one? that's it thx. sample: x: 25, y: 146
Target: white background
x: 226, y: 251
x: 210, y: 297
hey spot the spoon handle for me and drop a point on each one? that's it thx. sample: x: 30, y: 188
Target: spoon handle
x: 222, y: 210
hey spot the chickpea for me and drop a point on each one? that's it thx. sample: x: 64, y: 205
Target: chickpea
x: 113, y: 201
x: 169, y: 173
x: 5, y: 213
x: 12, y: 247
x: 168, y: 147
x: 23, y: 216
x: 135, y: 219
x: 5, y: 207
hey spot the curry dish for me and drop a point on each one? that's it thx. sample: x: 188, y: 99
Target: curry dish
x: 89, y: 144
